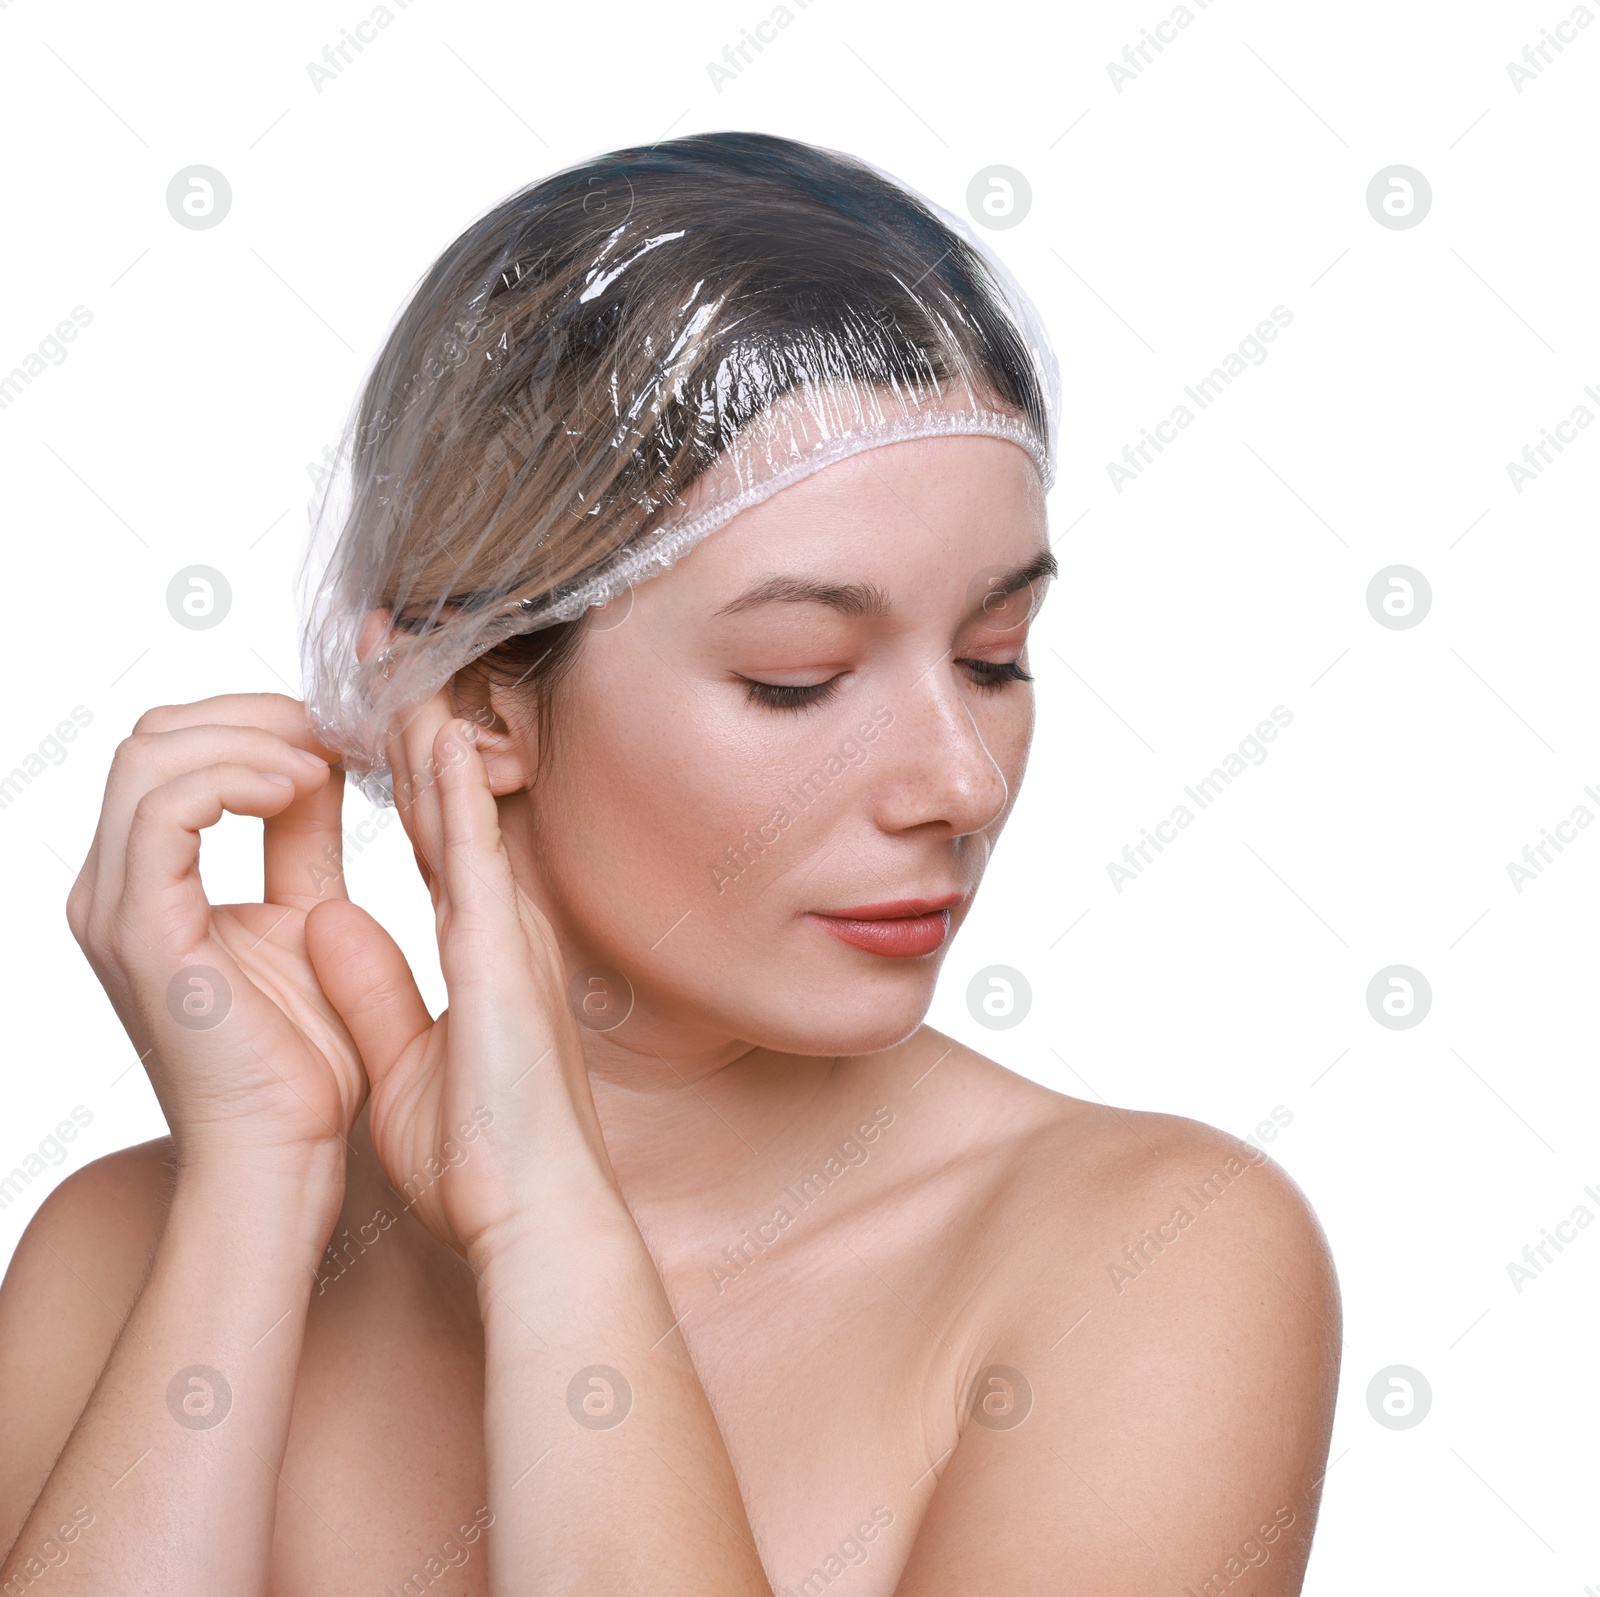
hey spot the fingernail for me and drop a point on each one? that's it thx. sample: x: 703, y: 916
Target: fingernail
x: 469, y: 730
x: 274, y: 776
x: 314, y: 760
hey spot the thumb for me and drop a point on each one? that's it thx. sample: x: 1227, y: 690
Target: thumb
x: 367, y: 980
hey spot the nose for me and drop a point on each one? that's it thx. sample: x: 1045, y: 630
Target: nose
x: 939, y: 767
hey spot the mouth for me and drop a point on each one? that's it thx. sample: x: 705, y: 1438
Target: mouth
x: 902, y: 928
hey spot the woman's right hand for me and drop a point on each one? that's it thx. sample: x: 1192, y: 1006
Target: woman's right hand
x: 257, y: 1062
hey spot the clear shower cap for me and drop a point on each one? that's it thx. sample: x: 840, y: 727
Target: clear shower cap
x: 612, y: 364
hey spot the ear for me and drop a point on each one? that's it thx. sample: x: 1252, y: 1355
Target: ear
x: 374, y: 633
x: 510, y: 748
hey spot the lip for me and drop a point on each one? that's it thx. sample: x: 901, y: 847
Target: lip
x: 893, y: 909
x: 901, y: 928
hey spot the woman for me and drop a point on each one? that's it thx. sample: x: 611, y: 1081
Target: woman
x: 677, y: 1254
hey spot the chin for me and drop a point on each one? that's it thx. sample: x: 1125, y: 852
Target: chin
x: 822, y: 1013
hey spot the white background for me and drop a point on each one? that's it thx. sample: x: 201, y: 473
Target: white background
x: 1167, y: 218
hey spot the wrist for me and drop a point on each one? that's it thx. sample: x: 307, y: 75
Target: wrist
x: 582, y: 1217
x: 283, y: 1195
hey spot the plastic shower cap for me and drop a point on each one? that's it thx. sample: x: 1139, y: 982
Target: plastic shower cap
x: 611, y: 364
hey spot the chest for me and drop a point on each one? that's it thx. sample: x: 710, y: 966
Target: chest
x: 834, y: 1380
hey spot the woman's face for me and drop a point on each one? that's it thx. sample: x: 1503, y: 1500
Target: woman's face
x: 817, y: 709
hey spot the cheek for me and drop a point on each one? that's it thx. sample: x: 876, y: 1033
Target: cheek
x: 658, y: 804
x: 640, y: 801
x: 1006, y: 727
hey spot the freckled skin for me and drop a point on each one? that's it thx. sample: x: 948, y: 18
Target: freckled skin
x: 856, y: 1219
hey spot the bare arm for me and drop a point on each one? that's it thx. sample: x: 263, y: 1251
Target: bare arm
x: 607, y: 1471
x: 169, y: 1475
x: 74, y: 1278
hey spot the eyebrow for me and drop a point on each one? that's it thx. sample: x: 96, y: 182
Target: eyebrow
x: 1043, y: 564
x: 865, y: 598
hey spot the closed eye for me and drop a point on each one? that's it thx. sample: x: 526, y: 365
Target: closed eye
x: 996, y: 673
x: 987, y: 674
x: 783, y: 696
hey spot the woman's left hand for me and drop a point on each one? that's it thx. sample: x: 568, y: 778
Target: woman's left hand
x: 478, y: 1115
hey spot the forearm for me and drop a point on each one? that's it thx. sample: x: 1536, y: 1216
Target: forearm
x: 170, y: 1474
x: 601, y: 1484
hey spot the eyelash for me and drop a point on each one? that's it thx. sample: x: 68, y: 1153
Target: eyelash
x: 992, y: 674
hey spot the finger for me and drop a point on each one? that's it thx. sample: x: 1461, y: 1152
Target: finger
x: 162, y: 891
x: 270, y: 712
x: 485, y: 920
x: 303, y: 847
x: 417, y: 779
x: 148, y: 759
x: 425, y: 871
x: 367, y: 980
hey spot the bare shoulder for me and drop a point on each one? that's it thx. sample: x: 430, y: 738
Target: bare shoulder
x: 1092, y: 1197
x: 71, y: 1283
x: 1160, y: 1292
